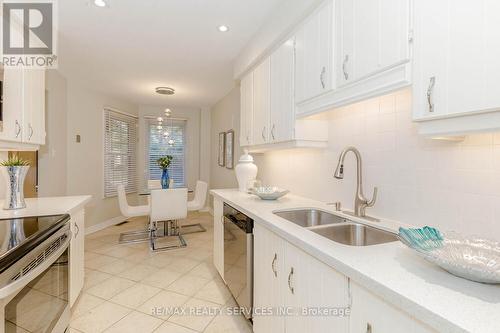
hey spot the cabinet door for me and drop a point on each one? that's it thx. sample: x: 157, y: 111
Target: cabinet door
x: 246, y: 93
x: 373, y: 37
x: 282, y: 102
x: 311, y: 286
x: 268, y: 280
x: 456, y: 59
x: 262, y: 102
x: 219, y: 236
x: 369, y: 313
x: 76, y: 253
x: 34, y: 106
x: 313, y: 51
x: 13, y: 104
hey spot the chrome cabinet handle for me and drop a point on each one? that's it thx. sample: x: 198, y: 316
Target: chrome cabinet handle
x: 368, y: 328
x: 18, y: 129
x: 290, y: 275
x: 77, y: 230
x: 322, y: 77
x: 31, y: 132
x: 430, y: 92
x: 272, y: 132
x: 263, y: 135
x: 273, y: 265
x: 248, y: 139
x: 344, y: 67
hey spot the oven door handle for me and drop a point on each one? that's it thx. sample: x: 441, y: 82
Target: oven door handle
x: 20, y: 283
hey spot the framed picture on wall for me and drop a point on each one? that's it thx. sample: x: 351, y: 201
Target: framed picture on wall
x: 222, y: 149
x: 229, y: 149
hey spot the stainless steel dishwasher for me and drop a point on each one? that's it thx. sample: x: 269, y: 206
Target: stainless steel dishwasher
x: 238, y: 257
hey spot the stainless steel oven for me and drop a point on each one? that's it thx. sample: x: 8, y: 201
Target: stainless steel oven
x: 34, y: 274
x: 238, y: 257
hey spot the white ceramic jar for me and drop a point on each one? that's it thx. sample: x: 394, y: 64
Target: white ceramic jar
x: 246, y: 171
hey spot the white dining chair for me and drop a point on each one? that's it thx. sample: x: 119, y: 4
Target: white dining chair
x: 167, y: 206
x: 128, y: 212
x: 198, y: 203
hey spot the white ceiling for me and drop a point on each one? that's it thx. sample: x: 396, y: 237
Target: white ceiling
x: 133, y: 46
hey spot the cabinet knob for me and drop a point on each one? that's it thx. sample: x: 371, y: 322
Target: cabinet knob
x: 430, y: 92
x: 290, y: 276
x: 273, y: 267
x: 344, y: 67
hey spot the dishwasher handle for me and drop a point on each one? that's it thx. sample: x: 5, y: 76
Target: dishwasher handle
x: 246, y: 224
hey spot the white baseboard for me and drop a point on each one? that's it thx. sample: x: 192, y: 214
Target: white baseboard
x: 105, y: 224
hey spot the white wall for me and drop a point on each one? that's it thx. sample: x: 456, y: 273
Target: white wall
x: 85, y: 160
x: 52, y: 156
x: 453, y: 186
x: 225, y: 116
x: 193, y: 116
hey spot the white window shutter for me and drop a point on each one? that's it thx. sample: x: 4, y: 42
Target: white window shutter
x: 120, y: 152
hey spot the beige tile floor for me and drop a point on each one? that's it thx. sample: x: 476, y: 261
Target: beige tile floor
x: 127, y: 287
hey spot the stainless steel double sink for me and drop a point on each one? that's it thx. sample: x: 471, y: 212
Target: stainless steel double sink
x: 336, y: 228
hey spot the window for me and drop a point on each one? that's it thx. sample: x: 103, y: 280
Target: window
x: 120, y: 145
x: 158, y: 147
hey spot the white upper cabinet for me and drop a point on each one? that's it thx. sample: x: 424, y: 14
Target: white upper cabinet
x: 374, y: 36
x: 371, y: 54
x: 456, y: 66
x: 34, y: 108
x: 23, y: 109
x: 313, y: 51
x: 268, y: 119
x: 246, y: 99
x: 261, y: 102
x: 282, y: 99
x: 13, y: 105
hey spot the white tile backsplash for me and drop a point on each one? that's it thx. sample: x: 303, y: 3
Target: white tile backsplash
x: 450, y: 185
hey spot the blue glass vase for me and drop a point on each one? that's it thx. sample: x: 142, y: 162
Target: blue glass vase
x: 165, y: 179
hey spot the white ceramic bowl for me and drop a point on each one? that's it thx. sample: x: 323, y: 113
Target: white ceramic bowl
x: 269, y: 192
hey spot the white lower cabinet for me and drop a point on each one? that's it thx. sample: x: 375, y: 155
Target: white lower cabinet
x: 76, y: 255
x: 219, y: 236
x: 295, y: 286
x: 288, y: 279
x: 269, y: 271
x: 370, y: 314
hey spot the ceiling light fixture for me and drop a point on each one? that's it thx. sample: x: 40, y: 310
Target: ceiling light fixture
x: 100, y: 3
x: 165, y: 91
x: 223, y: 28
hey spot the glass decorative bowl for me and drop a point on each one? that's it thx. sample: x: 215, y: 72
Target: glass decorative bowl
x: 269, y: 192
x: 472, y: 258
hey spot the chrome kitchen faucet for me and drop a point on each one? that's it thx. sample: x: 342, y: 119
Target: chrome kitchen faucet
x: 360, y: 202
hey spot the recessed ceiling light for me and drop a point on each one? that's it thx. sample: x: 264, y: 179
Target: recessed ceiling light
x: 223, y: 28
x: 165, y: 91
x: 100, y: 3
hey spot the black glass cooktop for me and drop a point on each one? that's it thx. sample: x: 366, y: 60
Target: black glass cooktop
x: 19, y: 236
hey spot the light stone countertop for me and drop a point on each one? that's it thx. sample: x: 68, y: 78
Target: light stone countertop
x: 393, y: 272
x: 47, y: 206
